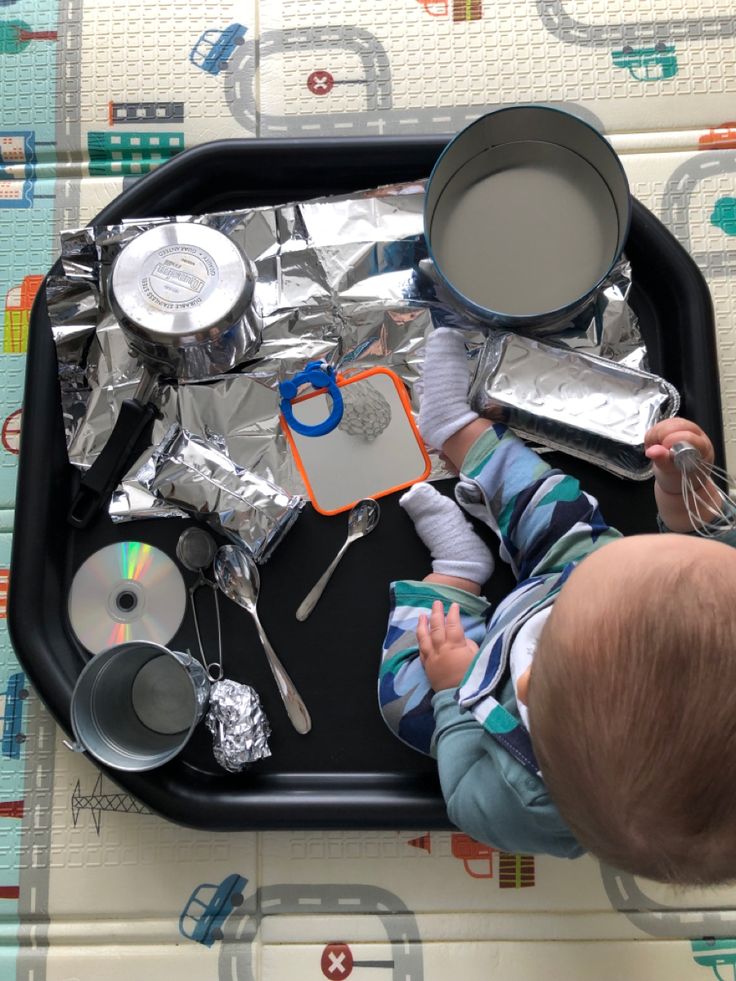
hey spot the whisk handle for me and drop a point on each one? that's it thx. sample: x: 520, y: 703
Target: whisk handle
x: 685, y: 456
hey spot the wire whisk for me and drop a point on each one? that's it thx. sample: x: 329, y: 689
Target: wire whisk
x: 709, y: 508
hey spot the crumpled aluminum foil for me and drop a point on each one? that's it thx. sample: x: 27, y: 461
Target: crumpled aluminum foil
x: 238, y: 724
x: 344, y: 279
x: 596, y: 410
x: 198, y: 479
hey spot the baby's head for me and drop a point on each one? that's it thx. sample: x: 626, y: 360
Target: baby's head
x: 632, y: 707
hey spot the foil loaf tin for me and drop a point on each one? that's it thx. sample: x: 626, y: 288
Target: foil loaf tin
x: 590, y: 408
x: 342, y: 279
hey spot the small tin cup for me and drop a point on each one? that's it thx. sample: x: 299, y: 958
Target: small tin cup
x: 527, y: 211
x: 135, y: 706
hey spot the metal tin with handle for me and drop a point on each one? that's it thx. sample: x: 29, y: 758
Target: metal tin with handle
x: 182, y: 293
x: 135, y: 706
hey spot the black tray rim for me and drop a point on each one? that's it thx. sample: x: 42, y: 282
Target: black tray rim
x: 343, y: 801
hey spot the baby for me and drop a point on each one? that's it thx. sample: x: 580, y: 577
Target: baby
x: 592, y: 708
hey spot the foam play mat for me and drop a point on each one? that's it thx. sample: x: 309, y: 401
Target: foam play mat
x: 95, y: 94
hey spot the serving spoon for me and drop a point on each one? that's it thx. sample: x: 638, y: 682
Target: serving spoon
x: 237, y: 576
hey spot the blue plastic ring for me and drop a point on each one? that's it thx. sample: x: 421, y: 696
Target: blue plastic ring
x: 322, y: 378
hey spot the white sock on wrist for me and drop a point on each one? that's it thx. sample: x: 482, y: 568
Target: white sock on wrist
x: 455, y: 547
x: 444, y: 407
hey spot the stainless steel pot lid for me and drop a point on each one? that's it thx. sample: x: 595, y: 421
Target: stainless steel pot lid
x: 176, y: 283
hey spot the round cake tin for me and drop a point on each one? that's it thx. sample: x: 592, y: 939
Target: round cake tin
x: 527, y: 211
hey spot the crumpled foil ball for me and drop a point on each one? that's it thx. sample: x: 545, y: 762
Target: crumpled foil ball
x: 238, y: 724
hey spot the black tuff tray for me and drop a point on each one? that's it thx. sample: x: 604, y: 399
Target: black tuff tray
x: 350, y: 771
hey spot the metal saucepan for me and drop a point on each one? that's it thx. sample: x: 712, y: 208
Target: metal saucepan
x: 527, y: 211
x: 182, y: 294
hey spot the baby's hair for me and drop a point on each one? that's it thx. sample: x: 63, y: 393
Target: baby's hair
x: 633, y: 722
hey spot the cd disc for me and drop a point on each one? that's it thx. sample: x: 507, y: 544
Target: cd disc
x: 127, y: 591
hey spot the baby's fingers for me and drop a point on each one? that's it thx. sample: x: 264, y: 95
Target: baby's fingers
x: 699, y: 440
x: 671, y: 431
x: 658, y: 454
x: 665, y: 468
x: 453, y: 625
x: 668, y: 427
x: 423, y: 638
x: 437, y: 623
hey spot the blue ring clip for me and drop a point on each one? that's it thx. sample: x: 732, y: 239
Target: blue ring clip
x: 320, y: 376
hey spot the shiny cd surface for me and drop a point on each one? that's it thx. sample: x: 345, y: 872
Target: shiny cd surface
x: 126, y: 591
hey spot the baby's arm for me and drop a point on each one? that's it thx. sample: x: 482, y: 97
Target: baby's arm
x: 667, y: 477
x: 542, y: 517
x: 485, y: 793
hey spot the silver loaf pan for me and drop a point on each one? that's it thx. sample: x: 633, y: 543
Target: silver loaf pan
x: 593, y: 409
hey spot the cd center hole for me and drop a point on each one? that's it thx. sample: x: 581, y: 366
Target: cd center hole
x: 126, y: 602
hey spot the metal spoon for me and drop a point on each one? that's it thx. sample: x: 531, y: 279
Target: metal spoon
x: 362, y: 519
x: 237, y: 576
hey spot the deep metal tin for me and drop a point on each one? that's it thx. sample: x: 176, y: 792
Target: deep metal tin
x: 108, y: 724
x: 527, y: 211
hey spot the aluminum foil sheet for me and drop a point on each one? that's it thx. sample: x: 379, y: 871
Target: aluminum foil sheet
x: 238, y: 724
x: 591, y: 408
x: 198, y: 478
x: 345, y: 279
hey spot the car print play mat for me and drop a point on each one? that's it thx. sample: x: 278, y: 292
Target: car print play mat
x: 95, y: 94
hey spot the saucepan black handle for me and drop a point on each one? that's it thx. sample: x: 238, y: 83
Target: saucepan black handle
x: 116, y: 458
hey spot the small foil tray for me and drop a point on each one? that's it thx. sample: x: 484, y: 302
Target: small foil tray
x: 593, y: 409
x: 350, y: 771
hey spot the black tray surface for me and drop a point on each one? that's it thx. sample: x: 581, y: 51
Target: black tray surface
x: 350, y: 771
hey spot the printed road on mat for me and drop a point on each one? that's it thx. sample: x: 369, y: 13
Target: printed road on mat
x: 95, y: 94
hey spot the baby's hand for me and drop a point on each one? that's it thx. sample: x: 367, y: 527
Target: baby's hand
x: 659, y: 441
x: 445, y: 651
x: 673, y: 509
